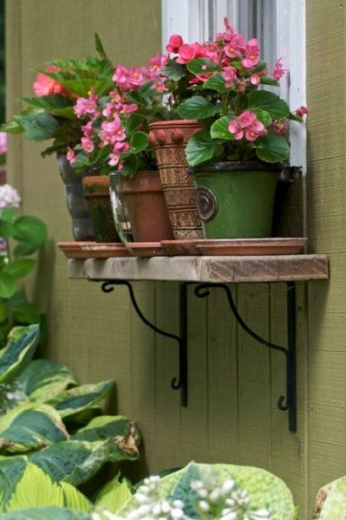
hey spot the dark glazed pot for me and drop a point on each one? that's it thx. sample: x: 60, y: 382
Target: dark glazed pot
x: 96, y: 193
x: 77, y: 206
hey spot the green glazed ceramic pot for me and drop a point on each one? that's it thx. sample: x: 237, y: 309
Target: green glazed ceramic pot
x: 235, y: 200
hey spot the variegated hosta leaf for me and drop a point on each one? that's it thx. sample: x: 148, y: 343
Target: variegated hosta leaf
x: 36, y: 488
x: 21, y: 346
x: 74, y: 400
x: 30, y: 426
x: 331, y: 501
x: 42, y: 380
x: 72, y: 461
x: 114, y: 494
x: 45, y: 513
x: 11, y: 470
x: 266, y: 492
x: 123, y: 437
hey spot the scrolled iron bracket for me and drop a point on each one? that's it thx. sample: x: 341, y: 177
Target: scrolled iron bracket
x: 180, y: 382
x: 288, y: 403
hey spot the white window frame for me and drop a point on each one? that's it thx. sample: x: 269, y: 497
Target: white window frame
x: 191, y: 19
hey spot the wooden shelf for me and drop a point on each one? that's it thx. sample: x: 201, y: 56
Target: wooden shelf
x: 212, y: 269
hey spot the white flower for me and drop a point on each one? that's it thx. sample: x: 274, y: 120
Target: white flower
x: 9, y: 197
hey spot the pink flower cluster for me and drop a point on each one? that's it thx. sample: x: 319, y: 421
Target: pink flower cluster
x: 246, y: 125
x: 46, y: 86
x: 111, y: 131
x: 235, y: 56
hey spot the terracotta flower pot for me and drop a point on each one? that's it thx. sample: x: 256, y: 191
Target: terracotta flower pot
x: 169, y: 139
x: 145, y: 206
x: 96, y: 193
x: 77, y: 206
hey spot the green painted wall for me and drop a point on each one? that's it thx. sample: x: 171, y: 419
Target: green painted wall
x: 234, y: 382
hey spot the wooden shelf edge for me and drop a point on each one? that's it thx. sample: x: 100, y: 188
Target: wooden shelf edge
x: 213, y: 269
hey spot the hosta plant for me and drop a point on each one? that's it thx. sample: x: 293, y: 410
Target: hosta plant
x: 55, y: 423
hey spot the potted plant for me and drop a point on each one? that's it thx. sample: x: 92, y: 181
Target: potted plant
x: 49, y: 116
x: 115, y: 144
x: 243, y: 140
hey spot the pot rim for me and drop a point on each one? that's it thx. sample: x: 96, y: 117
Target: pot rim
x: 233, y: 166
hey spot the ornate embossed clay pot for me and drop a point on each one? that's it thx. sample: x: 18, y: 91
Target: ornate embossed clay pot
x: 145, y: 206
x: 236, y: 200
x: 169, y: 139
x: 96, y: 193
x: 77, y: 206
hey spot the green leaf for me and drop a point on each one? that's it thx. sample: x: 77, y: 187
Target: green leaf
x: 39, y: 126
x: 267, y: 80
x: 11, y: 471
x: 202, y: 66
x: 199, y: 148
x: 36, y: 488
x: 219, y: 129
x: 19, y: 267
x: 30, y: 229
x: 71, y: 461
x: 43, y: 379
x: 48, y: 103
x: 114, y: 494
x: 21, y: 346
x: 197, y: 107
x: 139, y: 142
x: 74, y: 400
x: 123, y: 438
x: 25, y: 313
x: 269, y: 102
x: 8, y: 285
x: 173, y: 70
x: 216, y: 82
x: 30, y: 426
x: 273, y: 148
x: 43, y: 513
x: 262, y: 116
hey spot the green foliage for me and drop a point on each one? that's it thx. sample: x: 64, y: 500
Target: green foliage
x: 51, y: 117
x: 24, y: 235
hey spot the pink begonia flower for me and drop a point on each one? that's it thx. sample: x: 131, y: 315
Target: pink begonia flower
x: 71, y: 155
x: 279, y: 71
x: 246, y: 119
x: 235, y: 46
x: 255, y: 79
x: 88, y: 129
x: 156, y: 64
x: 174, y: 44
x: 229, y: 74
x: 85, y: 106
x: 235, y: 129
x: 251, y: 54
x: 129, y: 108
x: 9, y: 197
x: 301, y: 111
x: 46, y: 86
x: 159, y: 86
x: 113, y: 159
x: 135, y: 77
x: 186, y: 53
x: 112, y: 131
x: 87, y: 144
x: 246, y: 125
x: 254, y: 131
x: 121, y: 147
x: 3, y: 143
x: 228, y: 33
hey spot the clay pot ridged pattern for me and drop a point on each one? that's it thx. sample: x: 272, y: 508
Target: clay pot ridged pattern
x: 169, y: 139
x: 96, y: 192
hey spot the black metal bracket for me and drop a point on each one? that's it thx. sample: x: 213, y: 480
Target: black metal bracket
x: 285, y: 403
x: 289, y: 402
x: 180, y: 382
